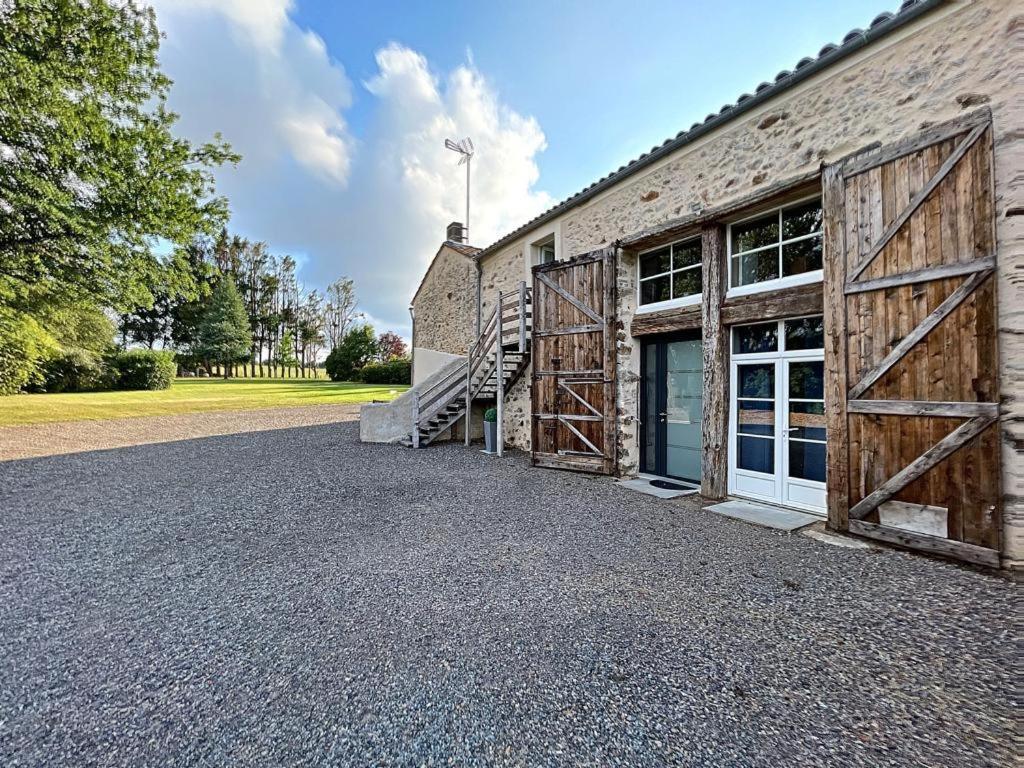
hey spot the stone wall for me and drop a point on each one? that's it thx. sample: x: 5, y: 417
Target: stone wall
x: 445, y: 304
x: 949, y: 62
x: 503, y: 272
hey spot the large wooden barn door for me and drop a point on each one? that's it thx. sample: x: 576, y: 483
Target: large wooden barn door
x: 573, y: 350
x: 911, y: 360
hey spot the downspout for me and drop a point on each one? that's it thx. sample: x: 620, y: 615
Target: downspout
x: 412, y: 345
x: 479, y: 295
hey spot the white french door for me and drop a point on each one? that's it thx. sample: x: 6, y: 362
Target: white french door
x: 777, y: 414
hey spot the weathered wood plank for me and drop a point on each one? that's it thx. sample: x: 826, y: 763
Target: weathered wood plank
x: 560, y: 291
x: 922, y: 330
x: 715, y: 354
x: 912, y: 277
x: 953, y: 442
x: 932, y: 544
x: 958, y: 410
x: 834, y: 310
x: 919, y: 198
x: 866, y: 159
x: 571, y: 330
x: 666, y: 321
x: 773, y: 305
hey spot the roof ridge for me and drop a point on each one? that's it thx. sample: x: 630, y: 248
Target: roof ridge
x: 855, y: 39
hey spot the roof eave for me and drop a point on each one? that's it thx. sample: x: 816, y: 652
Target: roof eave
x: 823, y: 62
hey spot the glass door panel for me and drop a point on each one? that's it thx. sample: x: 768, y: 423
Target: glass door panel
x: 756, y: 427
x: 684, y: 406
x: 805, y: 434
x: 671, y: 408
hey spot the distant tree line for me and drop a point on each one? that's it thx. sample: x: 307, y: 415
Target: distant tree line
x: 111, y: 231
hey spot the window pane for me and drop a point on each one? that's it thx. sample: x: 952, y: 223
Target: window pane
x: 757, y: 380
x: 755, y: 267
x: 756, y: 233
x: 801, y: 256
x: 807, y: 421
x: 755, y: 417
x: 807, y: 460
x: 756, y: 454
x: 650, y: 412
x: 802, y: 220
x: 763, y: 337
x: 686, y: 283
x: 654, y: 290
x: 686, y: 254
x: 807, y: 380
x: 656, y: 262
x: 806, y: 333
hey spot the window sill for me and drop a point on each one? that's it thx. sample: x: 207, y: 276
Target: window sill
x: 806, y: 278
x: 686, y: 301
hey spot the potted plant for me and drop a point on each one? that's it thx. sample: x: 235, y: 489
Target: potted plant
x: 491, y: 430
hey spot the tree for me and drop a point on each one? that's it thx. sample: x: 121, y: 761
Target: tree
x: 91, y: 171
x: 355, y: 350
x: 285, y: 356
x: 224, y: 335
x: 390, y: 346
x: 340, y: 310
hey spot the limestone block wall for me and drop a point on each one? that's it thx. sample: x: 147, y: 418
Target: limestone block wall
x: 445, y: 305
x: 950, y: 62
x: 503, y: 271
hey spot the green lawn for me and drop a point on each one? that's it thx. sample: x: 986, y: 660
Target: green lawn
x: 189, y: 396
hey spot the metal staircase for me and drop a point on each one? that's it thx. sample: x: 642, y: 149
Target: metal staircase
x: 495, y: 362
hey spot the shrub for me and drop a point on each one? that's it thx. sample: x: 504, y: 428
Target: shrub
x: 74, y: 370
x: 24, y: 346
x: 397, y: 371
x: 491, y: 414
x: 356, y: 349
x: 142, y: 369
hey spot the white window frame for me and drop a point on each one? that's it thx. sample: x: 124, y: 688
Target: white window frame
x: 682, y: 301
x: 788, y: 281
x: 779, y: 359
x: 537, y: 249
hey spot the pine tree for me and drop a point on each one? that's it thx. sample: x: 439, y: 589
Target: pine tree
x: 224, y: 334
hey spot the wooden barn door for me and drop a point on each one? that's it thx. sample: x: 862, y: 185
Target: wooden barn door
x: 573, y: 350
x: 911, y: 361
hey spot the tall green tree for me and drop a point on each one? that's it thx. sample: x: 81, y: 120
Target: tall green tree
x: 357, y: 348
x: 91, y: 173
x: 224, y: 335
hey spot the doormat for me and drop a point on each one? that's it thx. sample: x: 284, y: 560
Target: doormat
x: 666, y: 485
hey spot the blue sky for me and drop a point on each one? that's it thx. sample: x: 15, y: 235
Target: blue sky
x: 340, y: 109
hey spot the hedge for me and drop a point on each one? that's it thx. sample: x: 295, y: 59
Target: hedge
x: 142, y: 369
x: 397, y: 371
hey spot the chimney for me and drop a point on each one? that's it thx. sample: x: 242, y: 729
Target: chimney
x: 456, y: 232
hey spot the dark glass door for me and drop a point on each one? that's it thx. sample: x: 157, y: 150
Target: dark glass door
x: 671, y: 407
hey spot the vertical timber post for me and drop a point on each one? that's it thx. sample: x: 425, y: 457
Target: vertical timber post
x: 499, y: 372
x: 469, y: 393
x: 837, y: 481
x: 715, y: 343
x: 522, y: 316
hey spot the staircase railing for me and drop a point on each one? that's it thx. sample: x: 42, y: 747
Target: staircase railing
x: 512, y: 308
x: 510, y: 321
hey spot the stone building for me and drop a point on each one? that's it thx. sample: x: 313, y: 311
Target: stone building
x: 817, y: 298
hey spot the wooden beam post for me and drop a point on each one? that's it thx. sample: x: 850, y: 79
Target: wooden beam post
x: 522, y: 316
x: 837, y: 471
x: 715, y: 343
x: 499, y: 372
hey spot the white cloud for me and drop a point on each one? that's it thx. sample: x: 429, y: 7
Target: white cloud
x: 277, y: 83
x: 373, y: 209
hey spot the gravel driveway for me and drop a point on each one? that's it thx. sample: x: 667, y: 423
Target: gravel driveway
x: 293, y: 597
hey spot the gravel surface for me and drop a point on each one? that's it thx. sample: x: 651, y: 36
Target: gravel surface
x: 293, y: 597
x: 30, y: 440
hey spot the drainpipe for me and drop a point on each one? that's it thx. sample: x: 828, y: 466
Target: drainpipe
x: 412, y: 345
x: 479, y: 295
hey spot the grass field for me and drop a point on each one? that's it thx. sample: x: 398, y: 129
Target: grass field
x: 189, y: 396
